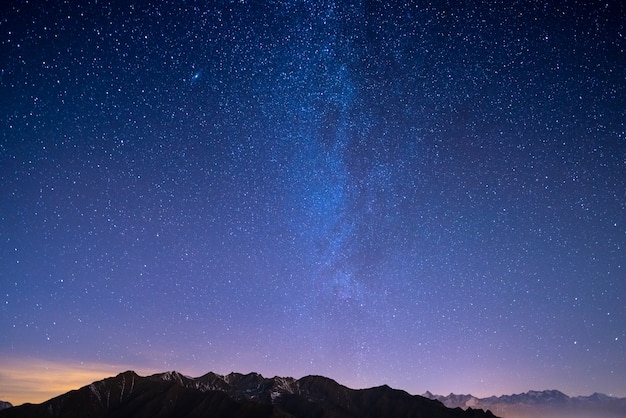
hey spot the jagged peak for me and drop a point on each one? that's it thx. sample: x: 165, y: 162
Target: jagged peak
x: 234, y: 377
x: 211, y: 375
x: 128, y: 373
x: 545, y: 391
x: 170, y: 376
x: 597, y: 395
x: 315, y: 377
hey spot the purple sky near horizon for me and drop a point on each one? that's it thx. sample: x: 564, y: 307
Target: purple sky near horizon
x: 430, y: 196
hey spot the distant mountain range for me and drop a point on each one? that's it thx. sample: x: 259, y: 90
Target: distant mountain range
x: 235, y: 396
x: 5, y: 405
x: 545, y: 404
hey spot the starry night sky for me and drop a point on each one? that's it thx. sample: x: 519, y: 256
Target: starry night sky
x: 430, y: 196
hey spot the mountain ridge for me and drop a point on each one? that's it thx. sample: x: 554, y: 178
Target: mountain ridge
x: 172, y: 394
x: 545, y: 403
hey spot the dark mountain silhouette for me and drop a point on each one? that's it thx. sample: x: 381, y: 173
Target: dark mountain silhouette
x: 235, y: 395
x: 5, y: 405
x: 546, y: 403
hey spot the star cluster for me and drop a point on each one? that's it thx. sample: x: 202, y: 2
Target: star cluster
x: 427, y: 195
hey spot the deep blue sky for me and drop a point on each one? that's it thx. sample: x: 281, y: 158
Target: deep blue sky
x: 431, y: 196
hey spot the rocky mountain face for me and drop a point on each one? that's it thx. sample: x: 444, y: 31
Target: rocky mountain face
x: 235, y: 395
x: 547, y: 404
x: 5, y: 405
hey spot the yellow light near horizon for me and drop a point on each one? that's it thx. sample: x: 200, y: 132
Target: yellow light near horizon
x: 25, y: 380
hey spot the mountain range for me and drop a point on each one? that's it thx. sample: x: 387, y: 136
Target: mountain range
x: 234, y: 395
x: 545, y: 404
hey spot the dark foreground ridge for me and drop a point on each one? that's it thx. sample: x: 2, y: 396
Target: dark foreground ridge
x: 235, y: 395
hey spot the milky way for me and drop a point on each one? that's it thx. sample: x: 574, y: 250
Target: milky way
x: 430, y: 196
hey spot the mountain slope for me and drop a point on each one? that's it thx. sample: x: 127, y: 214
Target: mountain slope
x: 235, y: 395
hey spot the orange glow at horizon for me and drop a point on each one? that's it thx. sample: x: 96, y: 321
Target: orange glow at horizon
x: 32, y: 380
